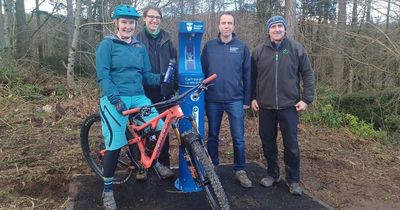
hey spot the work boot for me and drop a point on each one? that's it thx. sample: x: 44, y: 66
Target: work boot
x: 241, y: 176
x: 269, y: 181
x: 295, y: 189
x: 164, y: 171
x: 108, y: 201
x: 141, y: 175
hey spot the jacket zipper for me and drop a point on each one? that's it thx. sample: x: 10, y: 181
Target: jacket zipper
x: 276, y: 78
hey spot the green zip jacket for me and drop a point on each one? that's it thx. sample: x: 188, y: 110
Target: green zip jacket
x: 122, y: 68
x: 276, y: 75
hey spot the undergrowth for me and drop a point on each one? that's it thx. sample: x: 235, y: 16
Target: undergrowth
x: 323, y: 112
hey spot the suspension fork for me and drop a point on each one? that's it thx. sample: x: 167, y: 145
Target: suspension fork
x: 186, y: 148
x: 194, y: 124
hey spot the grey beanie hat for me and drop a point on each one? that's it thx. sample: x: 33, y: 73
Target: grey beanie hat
x: 276, y: 19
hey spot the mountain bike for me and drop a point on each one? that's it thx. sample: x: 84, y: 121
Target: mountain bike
x: 144, y: 146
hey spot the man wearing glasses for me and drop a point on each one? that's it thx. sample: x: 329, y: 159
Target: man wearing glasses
x: 161, y: 50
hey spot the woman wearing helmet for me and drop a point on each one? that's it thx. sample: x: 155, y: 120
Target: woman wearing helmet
x: 123, y: 67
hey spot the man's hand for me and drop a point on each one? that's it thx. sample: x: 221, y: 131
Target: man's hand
x: 301, y: 106
x: 254, y: 105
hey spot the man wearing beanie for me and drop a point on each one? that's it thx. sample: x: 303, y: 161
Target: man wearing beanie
x: 277, y: 66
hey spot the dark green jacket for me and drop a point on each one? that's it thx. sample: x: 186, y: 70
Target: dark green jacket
x: 160, y: 52
x: 276, y: 75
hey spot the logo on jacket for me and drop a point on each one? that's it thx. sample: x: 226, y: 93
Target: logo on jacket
x: 285, y: 52
x: 234, y: 49
x: 189, y: 26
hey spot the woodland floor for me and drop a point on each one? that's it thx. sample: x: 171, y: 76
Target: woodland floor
x: 40, y: 152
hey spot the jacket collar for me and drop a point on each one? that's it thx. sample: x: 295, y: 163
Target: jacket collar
x: 269, y: 44
x: 232, y: 40
x: 115, y: 38
x: 164, y: 35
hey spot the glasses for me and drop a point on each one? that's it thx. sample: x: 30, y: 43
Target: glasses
x: 153, y: 17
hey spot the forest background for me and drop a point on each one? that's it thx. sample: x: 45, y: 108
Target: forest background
x: 47, y: 64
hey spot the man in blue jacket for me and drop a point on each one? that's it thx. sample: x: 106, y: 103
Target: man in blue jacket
x: 229, y: 58
x: 278, y: 65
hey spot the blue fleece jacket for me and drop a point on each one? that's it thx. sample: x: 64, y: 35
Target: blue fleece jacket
x: 231, y: 62
x: 122, y: 68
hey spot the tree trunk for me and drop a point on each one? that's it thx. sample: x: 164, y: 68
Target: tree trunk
x: 338, y: 64
x: 354, y: 17
x: 354, y: 22
x: 39, y: 41
x: 387, y: 18
x: 90, y: 16
x: 193, y: 9
x: 72, y: 51
x: 22, y: 29
x: 213, y: 22
x: 8, y: 20
x: 368, y: 11
x: 2, y: 33
x: 290, y: 13
x: 70, y: 25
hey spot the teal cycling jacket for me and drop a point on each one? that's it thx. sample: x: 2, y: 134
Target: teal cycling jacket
x: 122, y: 68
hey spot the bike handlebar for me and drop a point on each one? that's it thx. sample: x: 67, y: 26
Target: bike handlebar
x: 174, y: 100
x: 131, y: 111
x: 210, y: 78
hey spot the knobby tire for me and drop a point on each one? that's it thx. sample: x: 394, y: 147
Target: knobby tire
x: 214, y: 190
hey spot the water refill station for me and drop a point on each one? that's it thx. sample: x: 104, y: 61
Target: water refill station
x: 190, y: 74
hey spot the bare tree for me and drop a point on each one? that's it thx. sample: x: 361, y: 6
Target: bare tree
x: 90, y: 16
x: 2, y: 31
x: 368, y: 11
x: 354, y: 22
x: 354, y: 18
x: 338, y: 64
x: 73, y: 49
x: 70, y: 14
x: 387, y: 17
x: 290, y: 13
x: 39, y: 41
x: 22, y: 29
x: 8, y: 23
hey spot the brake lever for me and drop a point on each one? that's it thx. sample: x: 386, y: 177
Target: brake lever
x: 196, y: 95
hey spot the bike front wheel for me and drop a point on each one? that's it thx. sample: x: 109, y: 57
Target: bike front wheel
x: 206, y: 175
x: 93, y: 149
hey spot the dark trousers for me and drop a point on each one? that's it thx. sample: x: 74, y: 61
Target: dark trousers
x: 268, y: 128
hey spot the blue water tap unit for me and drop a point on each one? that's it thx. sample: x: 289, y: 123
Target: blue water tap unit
x: 190, y: 74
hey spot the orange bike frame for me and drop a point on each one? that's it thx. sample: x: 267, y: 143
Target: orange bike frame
x: 170, y: 115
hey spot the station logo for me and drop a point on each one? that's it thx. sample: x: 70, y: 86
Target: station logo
x: 189, y: 26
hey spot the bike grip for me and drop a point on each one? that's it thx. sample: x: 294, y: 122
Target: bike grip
x: 210, y: 78
x: 131, y: 111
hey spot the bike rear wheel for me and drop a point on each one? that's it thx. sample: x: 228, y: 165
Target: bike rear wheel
x: 207, y: 176
x: 93, y: 149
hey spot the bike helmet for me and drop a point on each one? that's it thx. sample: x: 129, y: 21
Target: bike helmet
x: 125, y: 11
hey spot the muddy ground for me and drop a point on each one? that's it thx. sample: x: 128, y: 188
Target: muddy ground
x: 40, y: 152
